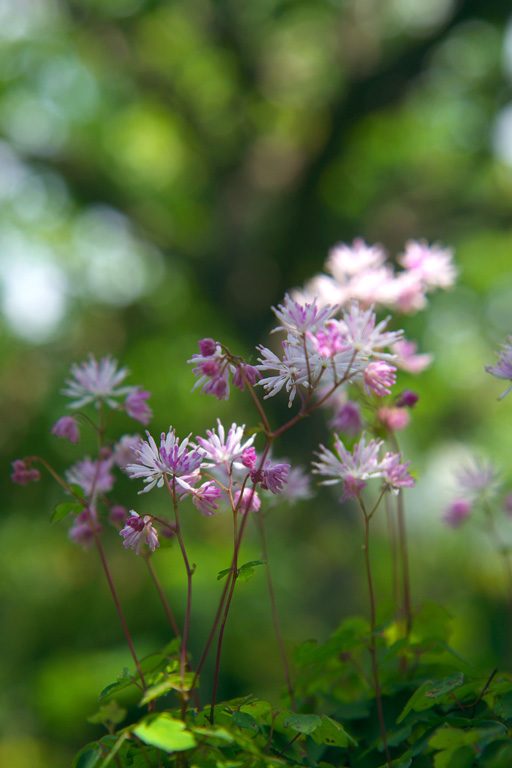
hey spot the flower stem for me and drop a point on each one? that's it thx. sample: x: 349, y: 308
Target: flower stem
x: 277, y: 627
x: 373, y: 624
x: 163, y: 598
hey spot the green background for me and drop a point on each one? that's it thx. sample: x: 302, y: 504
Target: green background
x: 167, y: 171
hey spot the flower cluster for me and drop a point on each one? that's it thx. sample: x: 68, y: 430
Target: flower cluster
x: 215, y: 368
x: 320, y: 349
x: 477, y: 486
x: 362, y: 272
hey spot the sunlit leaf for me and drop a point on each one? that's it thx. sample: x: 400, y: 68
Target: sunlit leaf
x: 164, y: 732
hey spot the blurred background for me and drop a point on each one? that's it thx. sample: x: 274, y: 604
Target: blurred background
x: 167, y: 171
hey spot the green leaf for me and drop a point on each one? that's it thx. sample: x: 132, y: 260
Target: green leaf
x: 223, y: 573
x: 115, y: 749
x: 164, y: 732
x: 171, y: 682
x: 332, y: 733
x: 245, y: 720
x: 214, y: 733
x: 64, y: 509
x: 445, y: 685
x: 303, y: 723
x: 504, y: 707
x: 464, y: 757
x: 87, y: 757
x: 246, y: 571
x: 77, y: 490
x: 414, y: 701
x: 110, y: 713
x: 452, y: 738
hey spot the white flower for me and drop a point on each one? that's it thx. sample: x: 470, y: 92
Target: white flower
x: 299, y: 318
x: 171, y: 459
x: 361, y: 332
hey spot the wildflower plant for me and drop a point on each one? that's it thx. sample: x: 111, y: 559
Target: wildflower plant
x: 334, y: 355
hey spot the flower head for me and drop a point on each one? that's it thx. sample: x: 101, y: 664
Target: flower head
x: 353, y: 468
x: 299, y: 318
x: 67, y: 426
x: 93, y: 476
x: 247, y: 501
x: 137, y: 531
x: 395, y: 474
x: 430, y: 263
x: 212, y: 369
x: 219, y: 449
x: 23, y: 474
x: 135, y: 405
x: 171, y: 458
x: 378, y: 377
x: 272, y: 476
x: 363, y: 333
x: 125, y: 450
x: 457, y: 512
x: 503, y: 369
x: 84, y: 526
x: 95, y: 382
x: 205, y: 498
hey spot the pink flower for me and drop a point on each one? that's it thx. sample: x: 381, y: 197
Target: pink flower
x: 344, y: 260
x: 23, y: 474
x: 457, y: 512
x: 431, y: 264
x: 407, y: 359
x: 250, y: 501
x: 298, y: 318
x: 171, y: 459
x: 407, y: 399
x: 394, y: 474
x: 219, y: 449
x: 137, y: 531
x: 135, y: 405
x: 347, y: 418
x: 298, y: 486
x: 212, y: 370
x: 205, y: 498
x: 93, y: 476
x: 249, y: 458
x: 125, y: 450
x: 117, y: 514
x: 353, y: 468
x: 503, y: 369
x: 328, y: 341
x: 393, y: 418
x: 67, y: 426
x: 244, y: 372
x: 272, y: 477
x: 84, y: 525
x: 378, y: 377
x: 94, y: 382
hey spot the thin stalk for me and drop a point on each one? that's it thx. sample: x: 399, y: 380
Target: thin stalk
x: 189, y: 570
x: 277, y: 627
x: 373, y: 625
x: 163, y: 598
x: 403, y: 549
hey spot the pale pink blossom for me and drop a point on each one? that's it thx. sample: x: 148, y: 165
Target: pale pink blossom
x: 137, y: 531
x: 135, y: 405
x: 457, y: 512
x: 352, y: 468
x: 67, y: 426
x: 395, y: 474
x: 93, y: 476
x: 213, y: 370
x: 272, y: 476
x: 222, y: 449
x: 247, y: 501
x: 170, y: 459
x: 95, y: 382
x: 431, y: 263
x: 205, y: 498
x: 362, y: 332
x: 84, y: 526
x: 379, y: 377
x: 347, y: 418
x: 353, y: 259
x: 406, y: 358
x: 299, y: 318
x: 503, y: 369
x: 125, y: 450
x: 394, y: 419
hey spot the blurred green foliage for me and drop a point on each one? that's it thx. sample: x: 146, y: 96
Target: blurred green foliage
x: 167, y: 170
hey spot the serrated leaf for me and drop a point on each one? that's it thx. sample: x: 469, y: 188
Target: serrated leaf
x: 64, y: 509
x: 164, y: 732
x: 303, y: 723
x: 444, y: 686
x: 332, y: 733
